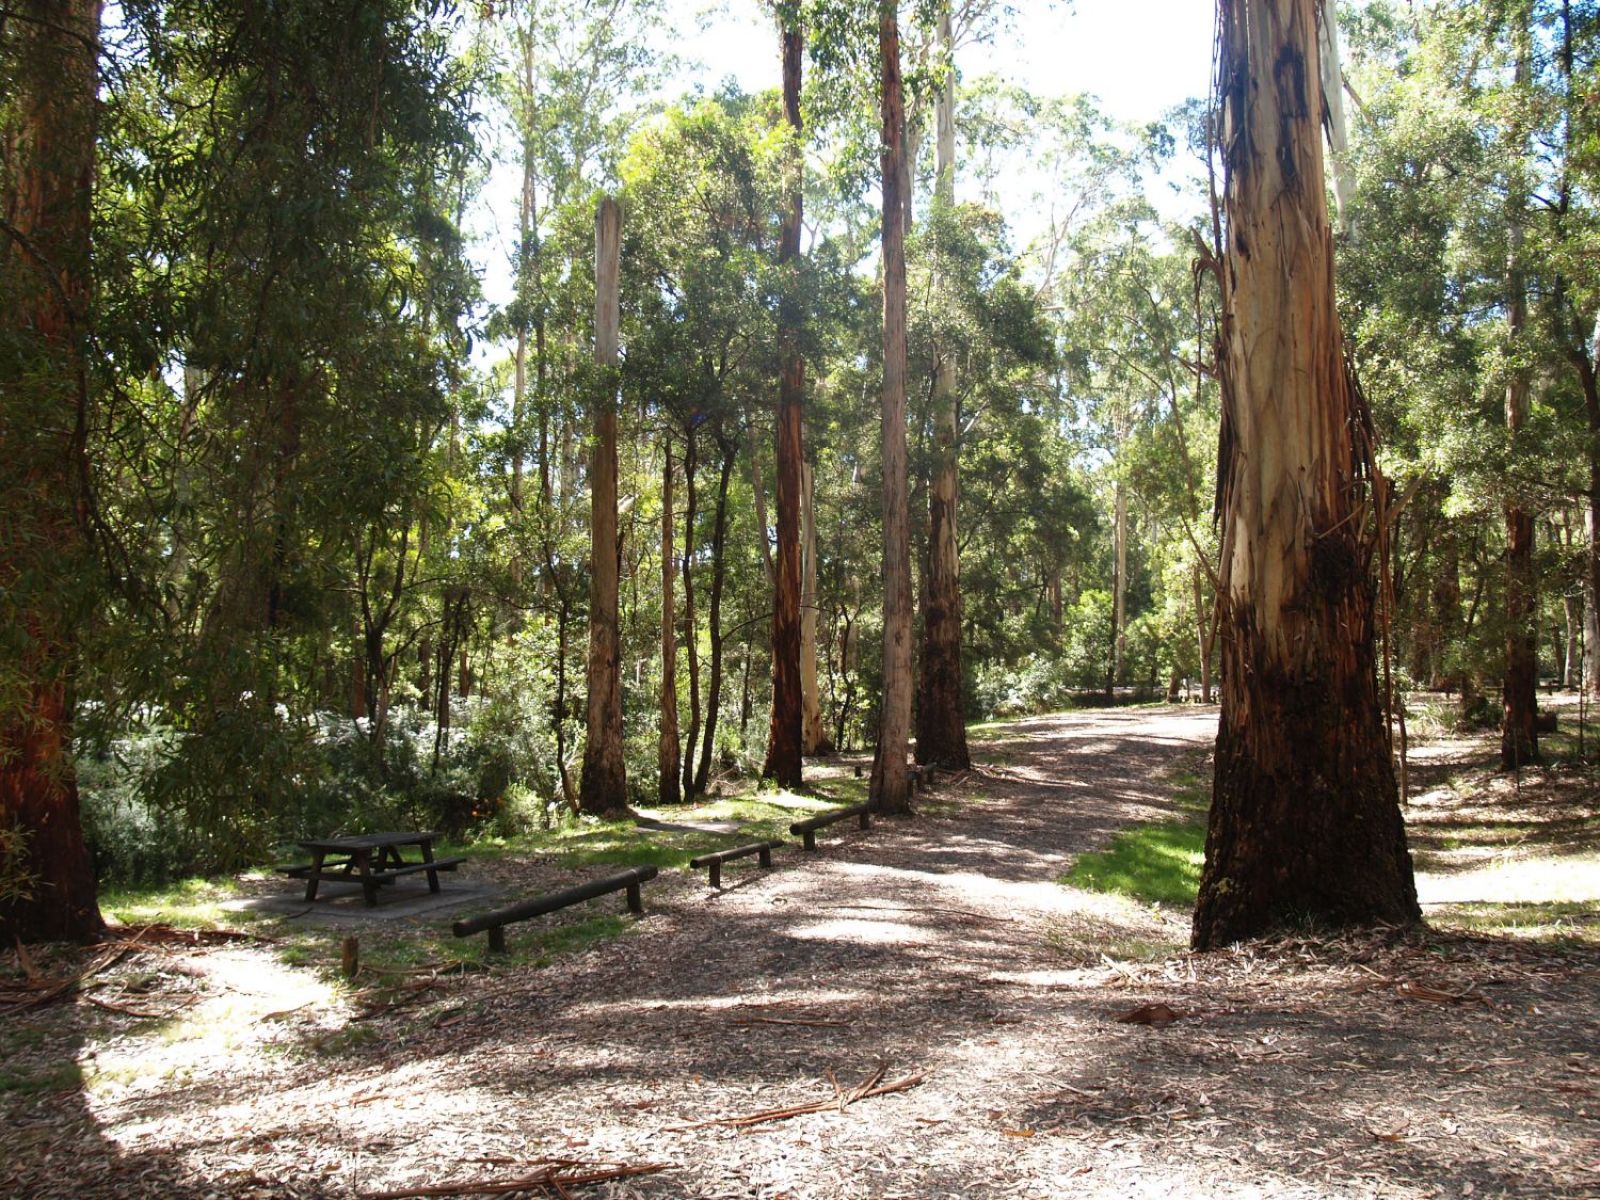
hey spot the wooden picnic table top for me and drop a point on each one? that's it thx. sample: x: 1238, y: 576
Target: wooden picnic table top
x: 368, y: 841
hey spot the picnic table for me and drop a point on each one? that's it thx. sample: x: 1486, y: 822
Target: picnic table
x: 370, y: 859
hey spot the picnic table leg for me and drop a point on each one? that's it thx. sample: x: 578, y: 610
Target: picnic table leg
x: 312, y: 879
x: 369, y: 885
x: 433, y: 875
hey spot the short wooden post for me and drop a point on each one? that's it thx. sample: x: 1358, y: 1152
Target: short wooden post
x: 635, y: 900
x: 350, y: 957
x: 716, y: 874
x: 766, y: 856
x: 497, y: 939
x: 810, y: 836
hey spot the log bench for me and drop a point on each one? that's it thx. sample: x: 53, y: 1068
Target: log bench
x: 494, y: 923
x: 715, y: 861
x: 807, y: 830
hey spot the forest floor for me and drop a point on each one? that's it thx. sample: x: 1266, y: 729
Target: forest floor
x: 950, y: 1013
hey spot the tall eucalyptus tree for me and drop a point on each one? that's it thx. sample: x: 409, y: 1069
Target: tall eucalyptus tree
x: 1305, y: 819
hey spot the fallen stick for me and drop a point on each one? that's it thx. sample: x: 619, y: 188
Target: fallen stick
x: 553, y: 1174
x: 837, y: 1102
x: 54, y: 990
x: 787, y: 1021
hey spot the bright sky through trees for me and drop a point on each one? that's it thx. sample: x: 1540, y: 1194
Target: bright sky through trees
x: 1052, y: 47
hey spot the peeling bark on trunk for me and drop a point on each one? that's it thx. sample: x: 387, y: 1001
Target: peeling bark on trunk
x: 44, y: 307
x: 941, y: 727
x: 669, y: 790
x: 891, y: 784
x: 1305, y: 820
x: 603, y: 785
x: 783, y: 736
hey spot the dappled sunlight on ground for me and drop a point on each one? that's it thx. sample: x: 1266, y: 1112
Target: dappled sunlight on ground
x: 940, y: 951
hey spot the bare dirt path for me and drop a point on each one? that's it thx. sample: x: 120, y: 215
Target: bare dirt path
x: 939, y: 950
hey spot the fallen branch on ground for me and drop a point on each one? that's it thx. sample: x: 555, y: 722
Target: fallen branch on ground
x: 556, y: 1173
x: 837, y: 1102
x: 787, y: 1021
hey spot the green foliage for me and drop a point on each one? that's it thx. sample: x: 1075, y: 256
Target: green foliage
x: 16, y: 881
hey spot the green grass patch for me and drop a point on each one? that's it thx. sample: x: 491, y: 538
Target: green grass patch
x: 190, y: 904
x: 1158, y: 863
x: 67, y: 1078
x: 1551, y: 921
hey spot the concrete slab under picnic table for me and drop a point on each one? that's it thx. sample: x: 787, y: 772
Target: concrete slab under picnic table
x: 339, y: 902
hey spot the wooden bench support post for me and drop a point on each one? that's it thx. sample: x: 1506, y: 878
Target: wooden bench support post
x: 807, y: 830
x: 497, y: 939
x: 715, y: 860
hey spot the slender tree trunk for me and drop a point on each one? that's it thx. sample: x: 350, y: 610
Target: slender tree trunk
x: 603, y: 786
x: 1119, y: 600
x: 1305, y: 819
x: 1205, y: 631
x: 667, y: 757
x: 1591, y: 519
x: 1519, y: 739
x: 49, y: 52
x: 719, y: 574
x: 941, y: 727
x: 525, y: 263
x: 691, y: 635
x: 1445, y: 601
x: 891, y: 784
x: 758, y: 489
x: 813, y: 730
x: 783, y: 737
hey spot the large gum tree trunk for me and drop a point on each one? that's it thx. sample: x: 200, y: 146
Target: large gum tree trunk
x: 783, y: 736
x: 603, y: 785
x: 50, y: 53
x: 891, y: 784
x: 1305, y: 821
x: 941, y: 729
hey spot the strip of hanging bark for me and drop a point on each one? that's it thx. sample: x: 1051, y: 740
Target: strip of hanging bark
x: 557, y: 1174
x: 838, y: 1102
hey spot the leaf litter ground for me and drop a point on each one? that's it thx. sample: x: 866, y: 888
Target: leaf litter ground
x: 919, y: 1010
